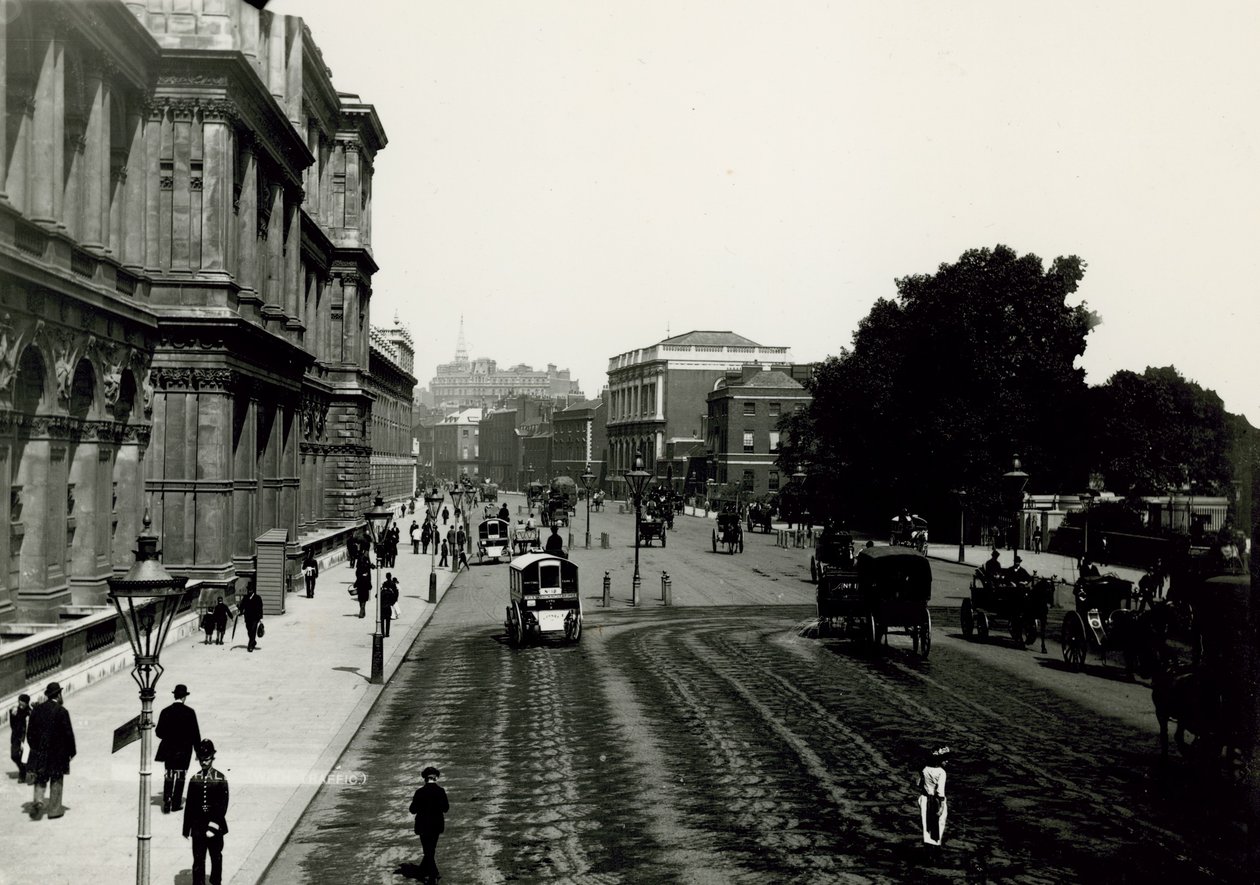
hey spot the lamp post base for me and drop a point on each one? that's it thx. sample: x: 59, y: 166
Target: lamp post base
x: 378, y: 659
x: 433, y: 588
x: 634, y: 589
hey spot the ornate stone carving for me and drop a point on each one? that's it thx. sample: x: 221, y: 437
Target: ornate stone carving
x: 146, y: 389
x: 182, y: 378
x: 67, y: 348
x: 195, y: 183
x: 167, y: 183
x: 350, y: 278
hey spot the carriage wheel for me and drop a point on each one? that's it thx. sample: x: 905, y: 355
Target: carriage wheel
x: 715, y: 540
x: 982, y: 625
x: 813, y: 570
x: 576, y: 635
x: 968, y: 618
x: 872, y: 632
x: 1075, y: 645
x: 923, y: 635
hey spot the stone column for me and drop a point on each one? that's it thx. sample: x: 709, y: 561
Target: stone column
x: 275, y: 248
x: 17, y: 183
x: 49, y: 133
x: 95, y: 171
x: 276, y: 74
x: 132, y: 234
x: 127, y: 498
x: 295, y: 289
x: 214, y: 465
x: 82, y: 516
x: 55, y: 516
x: 152, y: 171
x: 244, y: 475
x: 72, y: 194
x: 4, y: 117
x: 349, y: 318
x: 353, y: 170
x: 247, y: 222
x: 216, y: 190
x: 29, y: 529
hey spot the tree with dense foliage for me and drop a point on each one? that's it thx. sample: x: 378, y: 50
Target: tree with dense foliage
x: 1156, y: 431
x: 967, y: 367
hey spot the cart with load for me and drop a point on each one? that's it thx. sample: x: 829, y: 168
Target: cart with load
x: 760, y: 515
x: 525, y: 540
x: 728, y: 532
x: 490, y: 492
x: 543, y: 600
x: 887, y: 589
x: 909, y: 530
x: 1023, y: 605
x: 494, y: 540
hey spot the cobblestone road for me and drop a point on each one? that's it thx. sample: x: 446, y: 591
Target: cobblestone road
x: 719, y: 745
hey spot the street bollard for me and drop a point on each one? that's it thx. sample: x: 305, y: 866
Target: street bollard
x: 607, y: 590
x: 667, y: 589
x: 433, y: 587
x: 603, y: 540
x: 634, y: 590
x: 664, y: 578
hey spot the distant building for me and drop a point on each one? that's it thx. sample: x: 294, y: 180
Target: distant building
x: 455, y: 445
x: 744, y: 409
x: 579, y: 438
x: 501, y: 429
x: 391, y: 356
x: 657, y: 393
x: 480, y: 383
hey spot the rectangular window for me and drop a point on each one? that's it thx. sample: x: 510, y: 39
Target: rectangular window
x: 774, y: 440
x: 748, y: 441
x: 750, y: 409
x: 774, y: 480
x: 465, y: 433
x: 774, y: 409
x: 749, y: 481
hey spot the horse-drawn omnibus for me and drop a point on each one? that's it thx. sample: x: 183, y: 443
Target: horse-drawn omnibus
x: 543, y: 600
x: 494, y: 540
x: 887, y: 589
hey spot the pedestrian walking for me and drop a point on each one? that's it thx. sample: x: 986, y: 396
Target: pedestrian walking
x: 251, y: 608
x: 205, y: 816
x: 395, y: 534
x: 389, y: 598
x: 446, y: 515
x: 932, y: 805
x: 414, y: 534
x: 444, y: 561
x: 207, y: 625
x: 429, y: 804
x: 19, y: 716
x: 426, y: 535
x: 221, y: 614
x: 178, y: 732
x: 461, y: 538
x: 450, y: 539
x: 363, y: 583
x: 462, y: 559
x: 1037, y: 540
x: 51, y: 739
x: 310, y: 571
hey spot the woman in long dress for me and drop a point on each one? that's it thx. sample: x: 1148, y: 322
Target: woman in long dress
x: 932, y: 805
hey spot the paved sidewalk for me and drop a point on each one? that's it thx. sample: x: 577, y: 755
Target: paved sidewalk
x: 279, y: 717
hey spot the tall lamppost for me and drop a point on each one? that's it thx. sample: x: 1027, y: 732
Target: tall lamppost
x: 1013, y: 482
x: 378, y: 520
x: 636, y: 481
x: 433, y: 503
x: 588, y: 482
x: 147, y: 599
x: 962, y: 522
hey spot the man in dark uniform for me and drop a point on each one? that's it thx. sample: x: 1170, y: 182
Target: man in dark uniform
x: 178, y: 732
x: 429, y: 804
x: 252, y: 609
x: 18, y: 717
x: 555, y: 543
x: 205, y: 816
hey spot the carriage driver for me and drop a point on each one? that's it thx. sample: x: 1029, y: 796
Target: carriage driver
x: 1017, y: 574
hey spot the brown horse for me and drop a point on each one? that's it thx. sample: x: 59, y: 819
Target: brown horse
x: 1192, y: 699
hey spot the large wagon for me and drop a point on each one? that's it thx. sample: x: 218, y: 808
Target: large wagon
x: 651, y: 528
x: 1022, y: 604
x: 728, y: 533
x: 525, y: 540
x: 494, y: 540
x: 887, y: 590
x: 833, y: 552
x: 543, y: 600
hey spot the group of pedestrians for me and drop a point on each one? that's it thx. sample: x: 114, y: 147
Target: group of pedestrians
x: 46, y: 730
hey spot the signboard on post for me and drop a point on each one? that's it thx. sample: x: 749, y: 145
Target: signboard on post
x: 127, y: 733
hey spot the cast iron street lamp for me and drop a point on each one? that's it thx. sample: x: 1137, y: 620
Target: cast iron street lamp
x: 146, y: 599
x: 433, y: 503
x: 637, y: 480
x: 1013, y: 482
x: 798, y: 479
x: 378, y: 520
x: 588, y: 482
x: 962, y: 521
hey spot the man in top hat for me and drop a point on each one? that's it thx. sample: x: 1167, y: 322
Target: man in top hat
x: 1017, y: 573
x: 178, y: 732
x: 51, y: 739
x: 429, y: 805
x: 205, y: 816
x: 252, y: 608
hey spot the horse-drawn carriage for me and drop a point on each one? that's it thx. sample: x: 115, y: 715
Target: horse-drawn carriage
x: 525, y: 540
x: 886, y: 589
x: 1102, y: 621
x: 652, y: 527
x: 833, y: 552
x: 494, y: 540
x: 1022, y: 603
x: 728, y: 532
x: 490, y: 492
x: 535, y: 494
x: 543, y: 600
x: 909, y: 530
x: 760, y: 515
x: 661, y: 507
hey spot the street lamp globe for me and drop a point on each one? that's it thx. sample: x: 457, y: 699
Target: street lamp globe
x: 378, y: 519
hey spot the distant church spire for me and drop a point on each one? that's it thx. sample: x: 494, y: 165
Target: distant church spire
x: 461, y: 349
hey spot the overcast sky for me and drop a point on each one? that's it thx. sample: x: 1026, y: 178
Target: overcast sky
x: 578, y: 178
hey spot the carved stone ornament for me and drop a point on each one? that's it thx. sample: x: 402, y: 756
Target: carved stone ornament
x: 67, y: 348
x: 182, y: 378
x: 146, y: 389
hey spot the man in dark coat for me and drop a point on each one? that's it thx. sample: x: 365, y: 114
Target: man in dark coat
x: 19, y: 716
x: 251, y: 608
x: 363, y: 583
x: 221, y: 614
x: 51, y: 739
x: 389, y: 598
x: 178, y: 732
x: 205, y: 816
x: 429, y: 805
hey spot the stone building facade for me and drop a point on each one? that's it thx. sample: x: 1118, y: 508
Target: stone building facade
x: 579, y: 439
x: 391, y: 361
x: 456, y: 441
x: 744, y: 410
x: 656, y: 394
x: 466, y: 383
x: 185, y: 274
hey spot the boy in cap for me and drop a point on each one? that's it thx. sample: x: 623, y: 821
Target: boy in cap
x: 205, y: 816
x: 178, y: 732
x: 51, y: 739
x: 18, y: 717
